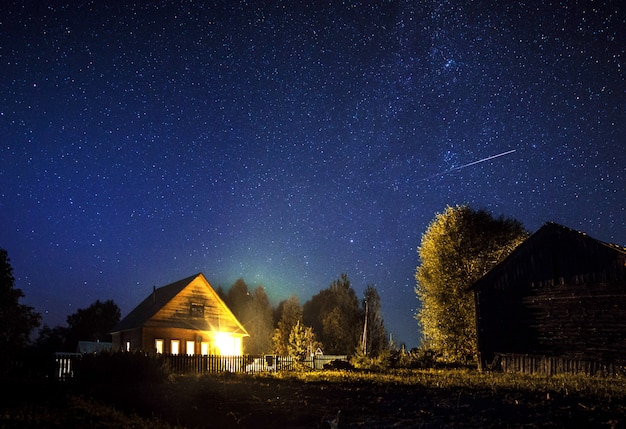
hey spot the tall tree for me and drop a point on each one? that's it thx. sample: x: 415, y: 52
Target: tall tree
x: 16, y: 320
x: 336, y: 318
x: 255, y: 313
x: 238, y: 298
x: 302, y: 344
x: 93, y: 323
x: 259, y: 323
x: 459, y: 246
x: 288, y: 314
x: 376, y: 335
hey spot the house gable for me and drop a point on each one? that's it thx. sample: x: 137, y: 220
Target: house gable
x: 197, y: 306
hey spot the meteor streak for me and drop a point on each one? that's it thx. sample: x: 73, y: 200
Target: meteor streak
x: 470, y: 164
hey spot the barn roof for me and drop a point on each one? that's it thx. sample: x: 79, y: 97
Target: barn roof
x: 547, y: 230
x: 160, y: 297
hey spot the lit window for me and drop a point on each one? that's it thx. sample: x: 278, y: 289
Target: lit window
x: 197, y: 310
x: 191, y: 347
x: 158, y: 345
x: 204, y: 348
x: 175, y: 347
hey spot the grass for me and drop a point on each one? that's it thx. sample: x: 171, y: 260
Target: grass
x: 398, y: 398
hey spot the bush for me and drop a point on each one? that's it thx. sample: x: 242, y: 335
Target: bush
x: 120, y: 367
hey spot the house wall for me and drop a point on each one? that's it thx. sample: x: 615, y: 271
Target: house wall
x: 145, y: 340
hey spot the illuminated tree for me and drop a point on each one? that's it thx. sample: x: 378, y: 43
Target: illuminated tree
x: 289, y: 312
x: 459, y: 246
x: 302, y: 344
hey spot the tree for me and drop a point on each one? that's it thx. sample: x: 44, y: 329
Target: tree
x: 302, y: 344
x: 259, y: 323
x: 376, y: 335
x: 255, y: 313
x: 335, y: 316
x: 93, y: 323
x: 288, y: 313
x: 459, y: 246
x: 16, y: 320
x: 238, y: 298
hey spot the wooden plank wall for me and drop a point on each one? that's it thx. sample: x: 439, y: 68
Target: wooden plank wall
x: 553, y: 365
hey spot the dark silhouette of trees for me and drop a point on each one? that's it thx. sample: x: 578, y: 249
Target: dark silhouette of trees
x: 93, y: 323
x: 16, y: 320
x: 336, y: 317
x: 459, y: 247
x: 260, y: 325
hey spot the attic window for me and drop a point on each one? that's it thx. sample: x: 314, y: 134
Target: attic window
x: 197, y: 310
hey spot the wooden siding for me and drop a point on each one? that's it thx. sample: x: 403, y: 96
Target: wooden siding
x: 560, y: 294
x: 215, y: 315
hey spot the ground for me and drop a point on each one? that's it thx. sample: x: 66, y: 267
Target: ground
x: 342, y: 400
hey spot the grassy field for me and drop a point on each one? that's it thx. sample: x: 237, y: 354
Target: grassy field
x: 399, y: 399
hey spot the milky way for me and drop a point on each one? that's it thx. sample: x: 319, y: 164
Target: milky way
x: 288, y: 142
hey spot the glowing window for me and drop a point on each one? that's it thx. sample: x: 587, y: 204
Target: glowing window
x: 191, y: 348
x: 175, y: 347
x: 158, y: 345
x: 204, y: 348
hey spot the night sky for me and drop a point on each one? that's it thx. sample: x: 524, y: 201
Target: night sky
x: 287, y: 142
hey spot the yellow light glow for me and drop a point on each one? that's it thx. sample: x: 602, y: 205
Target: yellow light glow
x: 227, y: 344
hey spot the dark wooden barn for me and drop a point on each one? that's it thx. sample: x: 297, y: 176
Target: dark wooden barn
x: 557, y: 303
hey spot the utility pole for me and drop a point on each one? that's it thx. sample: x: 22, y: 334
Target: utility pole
x: 364, y: 341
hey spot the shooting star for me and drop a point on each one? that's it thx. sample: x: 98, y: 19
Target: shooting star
x: 470, y: 164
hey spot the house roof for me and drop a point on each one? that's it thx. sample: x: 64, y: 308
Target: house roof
x: 160, y: 297
x: 549, y: 228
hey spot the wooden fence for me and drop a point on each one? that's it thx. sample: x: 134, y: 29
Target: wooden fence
x: 552, y: 365
x: 201, y: 364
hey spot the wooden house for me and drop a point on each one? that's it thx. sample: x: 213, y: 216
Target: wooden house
x: 559, y: 296
x: 185, y: 317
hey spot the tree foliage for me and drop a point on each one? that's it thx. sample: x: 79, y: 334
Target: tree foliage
x: 288, y: 314
x: 93, y: 323
x: 302, y: 343
x: 16, y: 320
x: 336, y: 317
x: 459, y: 246
x: 255, y: 313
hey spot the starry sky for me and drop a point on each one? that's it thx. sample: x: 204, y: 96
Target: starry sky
x: 287, y: 142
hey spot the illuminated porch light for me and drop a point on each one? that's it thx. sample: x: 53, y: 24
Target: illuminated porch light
x: 227, y: 344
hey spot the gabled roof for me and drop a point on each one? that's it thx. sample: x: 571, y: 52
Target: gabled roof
x: 160, y: 297
x: 549, y: 228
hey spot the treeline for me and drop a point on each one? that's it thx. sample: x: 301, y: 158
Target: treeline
x: 333, y: 320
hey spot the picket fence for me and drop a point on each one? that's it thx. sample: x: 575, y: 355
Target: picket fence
x: 201, y: 364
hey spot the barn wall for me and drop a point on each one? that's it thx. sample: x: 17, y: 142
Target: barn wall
x: 561, y: 294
